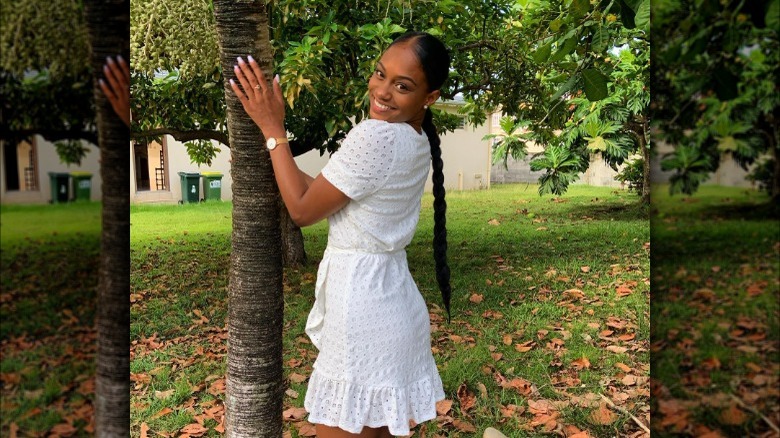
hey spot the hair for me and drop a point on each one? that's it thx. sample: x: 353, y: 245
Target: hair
x: 435, y: 60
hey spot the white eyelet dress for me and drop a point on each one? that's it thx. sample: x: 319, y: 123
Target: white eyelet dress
x: 369, y: 321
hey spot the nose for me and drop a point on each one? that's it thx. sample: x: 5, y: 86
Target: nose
x: 382, y: 92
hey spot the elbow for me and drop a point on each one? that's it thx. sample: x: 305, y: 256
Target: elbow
x: 300, y: 219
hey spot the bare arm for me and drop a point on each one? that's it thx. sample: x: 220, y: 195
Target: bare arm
x: 308, y: 199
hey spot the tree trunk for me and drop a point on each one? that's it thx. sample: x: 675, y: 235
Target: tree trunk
x: 109, y: 30
x: 645, y: 171
x: 254, y: 385
x: 293, y: 252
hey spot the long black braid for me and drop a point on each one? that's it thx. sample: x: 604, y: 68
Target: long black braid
x: 435, y: 61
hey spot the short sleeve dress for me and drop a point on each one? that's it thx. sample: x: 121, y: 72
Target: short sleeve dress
x: 369, y: 322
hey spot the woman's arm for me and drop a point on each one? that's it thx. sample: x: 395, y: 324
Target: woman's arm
x: 308, y: 200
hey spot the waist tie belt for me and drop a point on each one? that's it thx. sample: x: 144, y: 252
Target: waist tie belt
x: 330, y: 249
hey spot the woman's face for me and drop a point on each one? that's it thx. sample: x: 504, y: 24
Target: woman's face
x: 398, y: 89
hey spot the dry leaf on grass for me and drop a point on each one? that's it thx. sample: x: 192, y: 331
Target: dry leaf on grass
x: 463, y: 425
x: 443, y: 406
x: 466, y: 398
x: 732, y: 416
x: 194, y: 429
x: 476, y: 298
x: 297, y: 378
x: 306, y: 429
x: 144, y: 430
x: 602, y: 416
x: 293, y: 414
x: 581, y: 363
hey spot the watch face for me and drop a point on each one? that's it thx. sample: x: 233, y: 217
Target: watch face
x: 271, y: 143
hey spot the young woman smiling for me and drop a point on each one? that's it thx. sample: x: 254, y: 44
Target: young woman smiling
x: 375, y: 371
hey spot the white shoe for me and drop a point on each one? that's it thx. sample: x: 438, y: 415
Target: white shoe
x: 492, y: 433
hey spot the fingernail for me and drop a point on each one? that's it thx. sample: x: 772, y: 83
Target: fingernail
x: 276, y: 78
x: 120, y: 59
x: 251, y: 59
x: 235, y: 67
x: 231, y: 82
x: 100, y: 81
x: 240, y: 60
x: 110, y: 61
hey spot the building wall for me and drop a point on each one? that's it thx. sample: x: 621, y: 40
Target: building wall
x: 177, y: 160
x: 48, y: 161
x: 729, y: 173
x: 465, y: 155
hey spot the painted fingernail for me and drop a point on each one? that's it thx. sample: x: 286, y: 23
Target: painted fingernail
x: 120, y: 59
x: 240, y: 60
x: 235, y: 67
x: 109, y: 60
x: 231, y: 82
x: 276, y: 78
x: 251, y: 59
x: 100, y: 81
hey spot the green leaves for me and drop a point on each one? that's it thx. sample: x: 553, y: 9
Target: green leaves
x: 772, y: 18
x: 642, y: 17
x: 595, y: 84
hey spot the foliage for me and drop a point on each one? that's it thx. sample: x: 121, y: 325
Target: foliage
x: 562, y: 167
x: 590, y: 64
x: 763, y: 174
x: 201, y: 151
x: 632, y: 174
x: 45, y: 80
x: 716, y: 88
x: 511, y: 143
x: 33, y: 37
x: 71, y: 151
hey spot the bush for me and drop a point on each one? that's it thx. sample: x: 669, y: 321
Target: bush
x: 763, y: 174
x: 633, y: 175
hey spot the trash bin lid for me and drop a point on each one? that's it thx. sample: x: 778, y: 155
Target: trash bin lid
x: 211, y: 173
x: 188, y: 173
x: 80, y: 173
x: 59, y: 174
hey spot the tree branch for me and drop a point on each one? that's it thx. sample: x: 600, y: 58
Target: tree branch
x: 51, y: 135
x: 184, y: 136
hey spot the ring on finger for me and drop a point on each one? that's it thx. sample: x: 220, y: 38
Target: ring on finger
x: 257, y: 87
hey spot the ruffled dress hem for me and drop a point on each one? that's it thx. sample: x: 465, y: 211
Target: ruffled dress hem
x: 350, y: 407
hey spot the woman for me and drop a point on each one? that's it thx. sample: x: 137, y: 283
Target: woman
x: 375, y: 370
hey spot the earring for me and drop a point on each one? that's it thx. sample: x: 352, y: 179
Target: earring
x: 425, y: 106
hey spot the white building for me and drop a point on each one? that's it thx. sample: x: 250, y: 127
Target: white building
x: 25, y: 167
x: 155, y: 167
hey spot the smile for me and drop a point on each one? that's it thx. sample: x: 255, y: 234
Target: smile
x: 381, y: 107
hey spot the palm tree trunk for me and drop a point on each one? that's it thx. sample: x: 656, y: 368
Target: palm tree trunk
x: 293, y: 251
x: 109, y: 30
x: 254, y: 388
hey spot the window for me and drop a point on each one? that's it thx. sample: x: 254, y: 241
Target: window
x: 461, y: 123
x: 150, y: 171
x: 21, y: 169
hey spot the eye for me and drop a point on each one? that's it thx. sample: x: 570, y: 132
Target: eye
x: 402, y: 87
x: 378, y: 73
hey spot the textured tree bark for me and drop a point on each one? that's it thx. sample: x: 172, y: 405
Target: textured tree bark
x: 293, y: 252
x: 109, y: 32
x: 645, y: 167
x: 254, y: 385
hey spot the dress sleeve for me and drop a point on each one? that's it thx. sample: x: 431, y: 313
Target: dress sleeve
x: 363, y: 163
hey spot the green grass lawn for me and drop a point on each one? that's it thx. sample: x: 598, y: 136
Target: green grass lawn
x: 47, y: 307
x: 715, y: 313
x: 550, y: 312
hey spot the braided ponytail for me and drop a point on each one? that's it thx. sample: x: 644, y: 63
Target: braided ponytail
x: 435, y: 61
x: 439, y: 212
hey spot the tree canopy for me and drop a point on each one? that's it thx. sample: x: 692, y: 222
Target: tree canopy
x: 715, y: 93
x: 572, y: 73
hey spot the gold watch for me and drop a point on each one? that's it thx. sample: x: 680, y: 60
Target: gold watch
x: 273, y: 142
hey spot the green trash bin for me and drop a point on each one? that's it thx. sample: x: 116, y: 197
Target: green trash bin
x: 82, y: 185
x: 212, y: 186
x: 59, y: 187
x: 189, y: 187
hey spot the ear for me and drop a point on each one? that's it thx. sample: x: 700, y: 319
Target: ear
x: 432, y: 97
